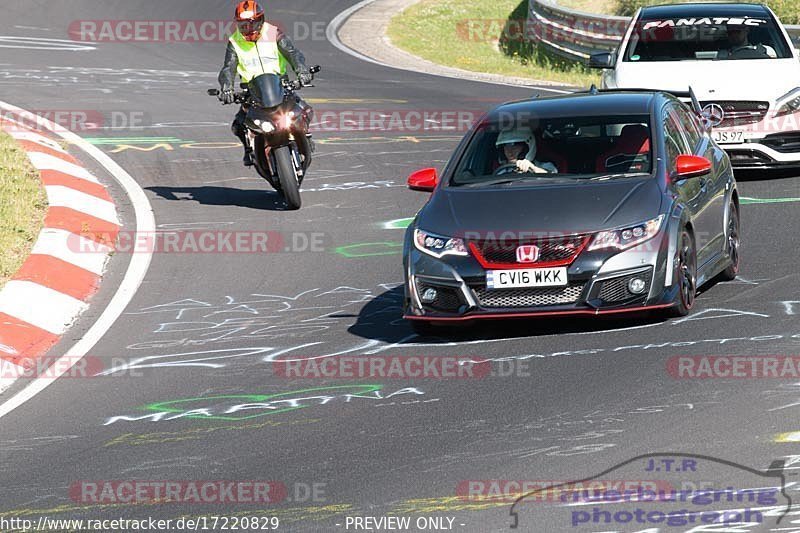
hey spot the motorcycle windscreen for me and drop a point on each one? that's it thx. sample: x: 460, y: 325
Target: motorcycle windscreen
x: 267, y: 90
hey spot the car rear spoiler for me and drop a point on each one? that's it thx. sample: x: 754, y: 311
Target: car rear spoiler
x: 685, y: 95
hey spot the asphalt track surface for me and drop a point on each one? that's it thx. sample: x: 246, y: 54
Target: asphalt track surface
x: 583, y: 396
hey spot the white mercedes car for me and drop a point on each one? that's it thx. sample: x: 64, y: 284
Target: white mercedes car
x: 739, y: 61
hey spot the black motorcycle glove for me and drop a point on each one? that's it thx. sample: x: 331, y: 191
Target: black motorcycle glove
x: 226, y: 96
x: 305, y: 77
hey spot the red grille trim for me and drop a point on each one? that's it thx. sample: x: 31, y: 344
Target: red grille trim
x: 487, y: 264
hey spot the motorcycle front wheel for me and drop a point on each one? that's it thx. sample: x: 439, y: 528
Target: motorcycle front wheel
x: 288, y: 177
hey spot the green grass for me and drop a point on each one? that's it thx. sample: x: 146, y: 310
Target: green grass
x: 22, y: 207
x: 467, y: 34
x: 590, y: 6
x: 476, y: 35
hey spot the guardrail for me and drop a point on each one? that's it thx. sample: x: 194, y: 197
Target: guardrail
x: 575, y: 35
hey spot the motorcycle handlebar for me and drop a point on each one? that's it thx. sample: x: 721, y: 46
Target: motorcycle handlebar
x: 238, y: 97
x: 295, y: 85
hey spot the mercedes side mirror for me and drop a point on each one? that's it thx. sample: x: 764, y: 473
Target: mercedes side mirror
x: 602, y: 60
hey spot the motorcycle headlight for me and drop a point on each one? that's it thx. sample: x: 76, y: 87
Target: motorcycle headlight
x: 438, y: 245
x: 282, y: 121
x: 624, y: 238
x: 286, y: 120
x: 788, y: 103
x: 265, y: 125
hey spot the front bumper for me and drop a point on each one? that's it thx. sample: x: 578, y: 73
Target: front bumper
x: 596, y: 285
x: 773, y: 151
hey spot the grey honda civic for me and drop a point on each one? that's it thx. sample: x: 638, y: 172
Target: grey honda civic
x: 585, y: 204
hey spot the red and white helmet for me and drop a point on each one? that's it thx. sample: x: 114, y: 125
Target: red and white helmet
x: 250, y: 19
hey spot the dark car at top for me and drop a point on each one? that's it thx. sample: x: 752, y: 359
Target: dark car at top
x: 640, y: 207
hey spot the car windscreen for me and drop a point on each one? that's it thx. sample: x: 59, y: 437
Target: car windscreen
x: 550, y: 149
x: 710, y: 38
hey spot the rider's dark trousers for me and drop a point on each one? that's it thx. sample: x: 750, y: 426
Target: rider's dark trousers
x: 238, y: 128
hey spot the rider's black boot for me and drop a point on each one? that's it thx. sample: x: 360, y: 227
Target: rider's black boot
x: 247, y: 160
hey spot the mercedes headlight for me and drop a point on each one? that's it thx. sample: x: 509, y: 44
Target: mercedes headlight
x: 438, y: 245
x: 788, y: 103
x: 624, y: 238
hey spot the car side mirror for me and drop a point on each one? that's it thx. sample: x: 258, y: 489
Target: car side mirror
x: 602, y: 60
x: 691, y: 166
x: 423, y: 180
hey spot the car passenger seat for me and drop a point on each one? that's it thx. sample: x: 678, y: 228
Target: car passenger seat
x: 545, y: 153
x: 631, y: 152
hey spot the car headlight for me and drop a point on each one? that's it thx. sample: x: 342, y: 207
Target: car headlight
x: 624, y: 238
x: 438, y: 245
x: 788, y: 103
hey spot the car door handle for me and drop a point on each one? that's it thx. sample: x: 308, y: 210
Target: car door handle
x: 703, y: 184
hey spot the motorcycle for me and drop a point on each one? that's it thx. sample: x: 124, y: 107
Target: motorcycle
x: 277, y: 125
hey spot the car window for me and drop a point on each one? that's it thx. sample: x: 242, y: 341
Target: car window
x: 712, y: 38
x: 575, y: 147
x: 689, y: 124
x: 675, y: 144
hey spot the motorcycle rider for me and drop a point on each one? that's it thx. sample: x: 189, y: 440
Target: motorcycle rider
x: 256, y: 48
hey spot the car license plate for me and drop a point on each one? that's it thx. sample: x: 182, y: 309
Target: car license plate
x: 728, y: 137
x: 531, y: 277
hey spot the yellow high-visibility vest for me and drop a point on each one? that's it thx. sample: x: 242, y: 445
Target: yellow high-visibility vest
x: 260, y: 57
